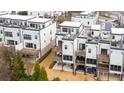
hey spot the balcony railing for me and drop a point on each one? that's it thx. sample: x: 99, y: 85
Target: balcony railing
x: 103, y: 67
x: 103, y: 58
x: 79, y: 62
x: 80, y: 53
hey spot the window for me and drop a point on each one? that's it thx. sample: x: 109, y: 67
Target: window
x: 16, y: 42
x: 81, y: 46
x: 60, y: 43
x: 103, y: 51
x: 80, y: 58
x: 66, y: 57
x: 44, y: 41
x: 25, y: 24
x: 17, y: 34
x: 30, y: 13
x: 0, y: 39
x: 92, y: 33
x: 15, y: 22
x: 35, y: 46
x: 28, y: 37
x: 64, y: 29
x: 43, y: 26
x: 115, y: 68
x: 1, y: 21
x: 44, y: 34
x: 1, y: 32
x: 8, y: 34
x: 89, y: 50
x: 91, y: 61
x: 20, y: 23
x: 88, y: 23
x: 29, y: 45
x: 10, y: 42
x: 35, y: 36
x: 32, y: 25
x: 36, y: 26
x: 77, y: 30
x: 65, y: 46
x: 113, y: 37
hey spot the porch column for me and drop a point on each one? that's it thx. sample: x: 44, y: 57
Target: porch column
x: 62, y: 66
x: 108, y: 76
x: 74, y: 67
x: 120, y: 77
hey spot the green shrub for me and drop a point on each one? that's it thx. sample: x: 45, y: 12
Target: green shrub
x: 113, y: 43
x: 56, y: 79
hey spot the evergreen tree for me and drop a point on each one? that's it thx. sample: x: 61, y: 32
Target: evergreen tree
x: 18, y: 70
x: 43, y: 74
x: 36, y: 73
x: 39, y: 73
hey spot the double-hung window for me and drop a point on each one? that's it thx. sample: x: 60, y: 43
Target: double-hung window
x: 26, y: 36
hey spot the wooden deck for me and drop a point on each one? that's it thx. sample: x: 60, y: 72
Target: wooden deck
x: 80, y: 63
x: 80, y: 53
x: 103, y: 58
x: 30, y: 52
x: 103, y: 67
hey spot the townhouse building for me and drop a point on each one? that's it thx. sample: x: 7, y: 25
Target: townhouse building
x: 121, y: 19
x: 87, y: 18
x: 28, y: 34
x: 66, y: 41
x: 91, y: 50
x: 45, y: 13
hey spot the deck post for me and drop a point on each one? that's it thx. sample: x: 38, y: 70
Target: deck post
x: 108, y: 75
x: 62, y: 66
x: 120, y: 77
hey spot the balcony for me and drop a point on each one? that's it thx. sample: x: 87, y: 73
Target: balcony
x: 103, y: 67
x: 80, y: 53
x: 103, y: 58
x: 29, y: 52
x: 79, y: 62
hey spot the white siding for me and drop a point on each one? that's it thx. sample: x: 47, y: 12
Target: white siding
x: 33, y: 40
x: 14, y: 33
x: 93, y: 48
x: 45, y: 35
x: 104, y: 46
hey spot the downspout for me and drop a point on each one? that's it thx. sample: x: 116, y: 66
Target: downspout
x: 3, y: 34
x: 73, y: 59
x: 40, y: 42
x: 122, y: 68
x: 62, y: 56
x: 23, y: 39
x: 97, y: 74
